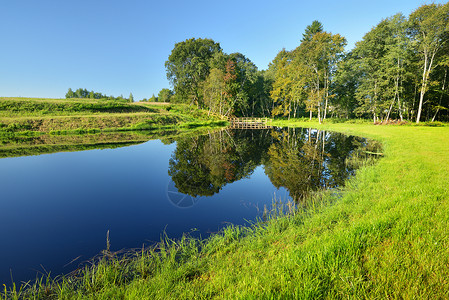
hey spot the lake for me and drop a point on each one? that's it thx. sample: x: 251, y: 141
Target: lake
x: 56, y: 209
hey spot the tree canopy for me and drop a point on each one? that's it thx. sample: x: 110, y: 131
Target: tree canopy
x: 311, y: 30
x: 165, y: 95
x: 188, y: 65
x: 397, y: 71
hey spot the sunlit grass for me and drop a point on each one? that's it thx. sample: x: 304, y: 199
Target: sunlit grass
x: 21, y: 119
x: 382, y: 236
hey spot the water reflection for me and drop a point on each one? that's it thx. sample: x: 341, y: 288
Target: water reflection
x: 299, y: 159
x: 58, y: 207
x: 202, y: 165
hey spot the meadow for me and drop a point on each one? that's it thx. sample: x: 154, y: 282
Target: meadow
x: 38, y: 125
x: 384, y: 235
x: 70, y: 115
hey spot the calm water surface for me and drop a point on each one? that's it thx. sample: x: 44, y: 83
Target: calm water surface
x: 55, y: 209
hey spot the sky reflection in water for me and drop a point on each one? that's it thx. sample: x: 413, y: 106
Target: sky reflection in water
x: 57, y: 207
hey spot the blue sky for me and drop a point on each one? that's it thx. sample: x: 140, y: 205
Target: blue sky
x: 118, y: 47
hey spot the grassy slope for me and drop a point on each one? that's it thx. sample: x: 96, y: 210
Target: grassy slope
x: 384, y: 236
x: 26, y: 124
x: 47, y: 115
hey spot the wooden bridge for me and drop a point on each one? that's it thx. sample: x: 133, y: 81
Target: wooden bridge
x: 248, y: 123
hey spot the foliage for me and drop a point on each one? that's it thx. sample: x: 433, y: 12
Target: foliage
x: 153, y: 98
x: 85, y: 94
x: 188, y: 65
x: 304, y: 76
x: 397, y: 71
x: 430, y: 30
x: 202, y: 74
x: 165, y: 95
x: 311, y: 30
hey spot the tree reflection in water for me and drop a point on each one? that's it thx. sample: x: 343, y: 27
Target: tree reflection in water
x: 298, y: 159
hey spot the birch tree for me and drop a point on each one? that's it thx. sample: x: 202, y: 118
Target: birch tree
x: 429, y: 29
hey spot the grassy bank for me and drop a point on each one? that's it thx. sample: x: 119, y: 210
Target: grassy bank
x: 383, y: 236
x: 21, y: 107
x: 25, y: 115
x: 26, y: 124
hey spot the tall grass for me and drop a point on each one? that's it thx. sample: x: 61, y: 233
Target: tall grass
x: 382, y: 236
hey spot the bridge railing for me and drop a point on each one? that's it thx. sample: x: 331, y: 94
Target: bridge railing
x: 249, y: 123
x: 248, y: 120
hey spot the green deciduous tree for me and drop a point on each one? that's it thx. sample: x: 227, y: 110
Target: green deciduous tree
x: 214, y: 92
x: 165, y: 95
x: 304, y: 76
x: 430, y: 30
x: 369, y: 54
x: 396, y: 61
x: 153, y: 99
x: 189, y: 65
x: 345, y: 86
x: 281, y: 90
x: 399, y: 70
x: 70, y: 94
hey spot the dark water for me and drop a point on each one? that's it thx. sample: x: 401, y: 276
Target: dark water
x: 56, y: 208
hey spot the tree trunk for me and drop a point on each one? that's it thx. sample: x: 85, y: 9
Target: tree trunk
x: 396, y: 91
x: 425, y: 77
x: 399, y: 101
x: 319, y: 114
x: 423, y: 91
x: 441, y: 96
x: 389, y: 110
x: 400, y: 110
x: 375, y: 101
x: 325, y: 105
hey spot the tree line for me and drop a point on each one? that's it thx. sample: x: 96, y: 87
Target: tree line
x: 397, y: 71
x: 84, y: 93
x: 164, y: 95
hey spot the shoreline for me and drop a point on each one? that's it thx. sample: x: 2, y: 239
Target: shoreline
x: 378, y: 237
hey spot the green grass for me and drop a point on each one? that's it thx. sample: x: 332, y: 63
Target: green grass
x: 20, y: 107
x: 385, y: 235
x: 31, y: 126
x: 30, y: 117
